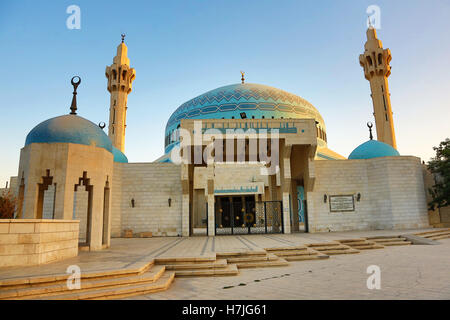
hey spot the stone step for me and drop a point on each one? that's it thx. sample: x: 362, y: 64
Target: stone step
x: 267, y: 257
x: 17, y: 283
x: 229, y: 270
x: 351, y: 240
x: 431, y: 232
x: 295, y: 253
x: 444, y: 236
x: 361, y: 244
x: 280, y: 262
x: 396, y: 243
x: 337, y: 246
x: 221, y: 263
x: 323, y: 244
x: 357, y: 243
x: 134, y: 289
x: 184, y: 260
x: 436, y: 234
x: 383, y: 240
x: 308, y: 257
x: 339, y: 251
x: 86, y: 285
x: 226, y: 255
x: 367, y: 246
x: 301, y: 247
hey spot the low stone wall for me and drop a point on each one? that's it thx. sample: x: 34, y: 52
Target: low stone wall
x: 25, y: 242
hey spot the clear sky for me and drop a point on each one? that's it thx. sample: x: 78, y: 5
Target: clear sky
x: 183, y: 48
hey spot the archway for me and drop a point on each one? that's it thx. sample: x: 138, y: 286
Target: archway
x: 82, y: 208
x: 42, y: 188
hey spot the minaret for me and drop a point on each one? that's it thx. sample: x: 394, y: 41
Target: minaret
x: 375, y: 62
x: 120, y: 77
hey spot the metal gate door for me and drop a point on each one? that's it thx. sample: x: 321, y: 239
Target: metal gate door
x: 263, y: 217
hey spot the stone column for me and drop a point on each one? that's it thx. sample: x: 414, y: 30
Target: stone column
x: 185, y: 200
x: 210, y: 199
x: 64, y: 197
x: 286, y: 185
x: 211, y: 215
x: 30, y: 199
x: 96, y: 211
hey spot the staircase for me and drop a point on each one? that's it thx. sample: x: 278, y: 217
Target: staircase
x: 435, y: 234
x: 253, y: 259
x: 198, y: 266
x: 332, y: 248
x: 95, y: 286
x: 361, y: 244
x: 390, y: 240
x: 297, y: 253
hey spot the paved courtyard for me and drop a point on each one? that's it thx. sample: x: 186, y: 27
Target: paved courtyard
x: 407, y: 272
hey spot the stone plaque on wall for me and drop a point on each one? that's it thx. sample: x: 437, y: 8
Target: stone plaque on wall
x: 342, y: 203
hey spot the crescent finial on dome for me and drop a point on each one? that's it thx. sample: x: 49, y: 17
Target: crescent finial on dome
x: 370, y: 125
x: 73, y: 106
x: 242, y: 76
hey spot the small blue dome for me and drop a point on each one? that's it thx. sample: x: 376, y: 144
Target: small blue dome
x: 69, y: 129
x: 119, y: 156
x: 373, y: 149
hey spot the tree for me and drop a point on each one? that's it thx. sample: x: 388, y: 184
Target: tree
x: 440, y: 167
x: 7, y: 205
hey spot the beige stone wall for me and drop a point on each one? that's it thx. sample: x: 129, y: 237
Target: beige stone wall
x: 150, y: 185
x: 67, y: 163
x: 26, y: 242
x: 80, y: 211
x: 235, y: 174
x: 392, y: 194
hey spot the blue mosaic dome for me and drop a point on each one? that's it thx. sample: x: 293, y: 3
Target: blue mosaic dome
x: 256, y: 100
x: 119, y: 156
x: 373, y: 149
x: 69, y: 129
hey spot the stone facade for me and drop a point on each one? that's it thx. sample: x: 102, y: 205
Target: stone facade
x: 32, y: 241
x: 391, y: 189
x: 150, y: 185
x: 64, y: 167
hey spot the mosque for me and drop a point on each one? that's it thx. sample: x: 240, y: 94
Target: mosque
x: 240, y: 159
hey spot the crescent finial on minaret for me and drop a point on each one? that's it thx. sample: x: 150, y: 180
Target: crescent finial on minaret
x: 370, y: 22
x: 123, y: 37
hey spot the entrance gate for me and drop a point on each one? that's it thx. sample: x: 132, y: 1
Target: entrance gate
x: 233, y: 216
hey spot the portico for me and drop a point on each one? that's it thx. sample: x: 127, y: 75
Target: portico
x: 233, y: 170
